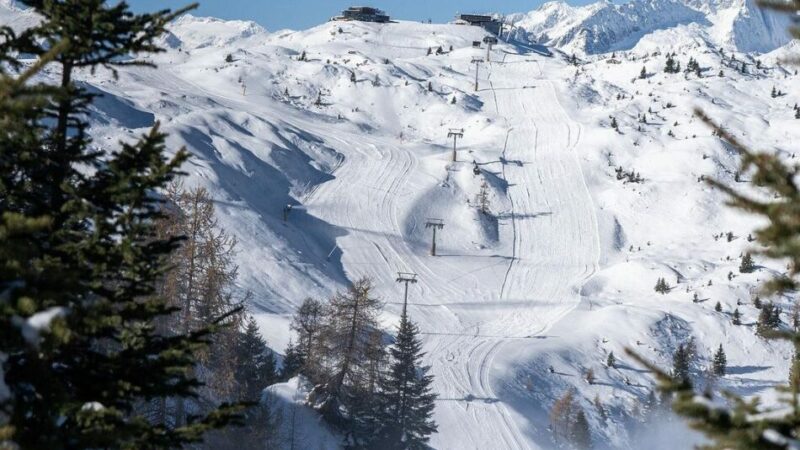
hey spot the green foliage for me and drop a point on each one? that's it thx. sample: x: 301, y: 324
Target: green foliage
x: 681, y: 362
x: 661, y: 286
x: 84, y: 251
x: 407, y: 402
x: 747, y: 265
x: 720, y: 362
x: 255, y: 363
x: 737, y: 317
x: 611, y: 361
x: 768, y: 319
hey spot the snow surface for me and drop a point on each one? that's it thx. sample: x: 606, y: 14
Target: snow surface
x: 560, y: 274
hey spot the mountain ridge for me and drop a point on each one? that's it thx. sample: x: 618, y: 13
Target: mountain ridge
x: 603, y: 27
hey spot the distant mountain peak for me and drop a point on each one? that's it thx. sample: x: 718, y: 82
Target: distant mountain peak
x: 604, y: 26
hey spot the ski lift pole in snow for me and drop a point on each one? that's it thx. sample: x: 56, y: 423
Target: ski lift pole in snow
x: 477, y: 62
x: 455, y: 133
x: 286, y: 210
x: 489, y: 41
x: 406, y: 277
x: 436, y: 224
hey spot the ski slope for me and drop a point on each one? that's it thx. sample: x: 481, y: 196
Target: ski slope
x: 472, y: 305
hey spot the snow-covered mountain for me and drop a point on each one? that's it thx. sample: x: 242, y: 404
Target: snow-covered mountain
x: 523, y: 302
x: 605, y: 27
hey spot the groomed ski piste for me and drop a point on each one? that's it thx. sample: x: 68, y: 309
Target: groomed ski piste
x: 518, y: 304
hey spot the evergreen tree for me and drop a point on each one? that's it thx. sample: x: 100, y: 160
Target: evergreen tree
x: 720, y: 362
x: 661, y: 286
x: 611, y: 361
x: 737, y: 317
x: 614, y: 123
x: 670, y: 66
x: 84, y: 250
x: 407, y: 402
x: 769, y: 318
x: 747, y: 265
x: 681, y: 361
x: 643, y: 73
x: 718, y: 307
x: 255, y: 363
x: 293, y: 361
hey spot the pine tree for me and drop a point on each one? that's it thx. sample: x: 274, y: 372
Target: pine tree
x: 293, y: 361
x: 774, y: 92
x: 611, y: 361
x: 643, y: 73
x: 747, y: 265
x: 614, y: 123
x: 718, y: 307
x: 661, y: 286
x: 407, y: 402
x: 720, y: 362
x: 255, y: 364
x: 681, y: 361
x: 84, y: 250
x: 670, y: 66
x: 769, y: 318
x: 737, y: 317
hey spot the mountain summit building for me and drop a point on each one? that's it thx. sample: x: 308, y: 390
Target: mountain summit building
x: 488, y: 23
x: 363, y: 14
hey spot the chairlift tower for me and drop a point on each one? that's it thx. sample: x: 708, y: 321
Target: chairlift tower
x: 455, y: 133
x: 406, y: 278
x: 476, y: 61
x: 435, y: 224
x: 489, y: 41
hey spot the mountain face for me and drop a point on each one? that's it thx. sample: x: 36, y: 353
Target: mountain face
x: 604, y: 26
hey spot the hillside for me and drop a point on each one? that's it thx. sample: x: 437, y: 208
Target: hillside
x: 348, y: 123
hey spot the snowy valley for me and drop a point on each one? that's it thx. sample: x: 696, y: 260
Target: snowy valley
x: 579, y: 183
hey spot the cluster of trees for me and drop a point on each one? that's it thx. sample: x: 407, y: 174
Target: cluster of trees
x: 672, y: 66
x: 661, y: 286
x: 236, y: 365
x: 694, y: 66
x: 377, y: 398
x: 568, y: 423
x: 118, y: 326
x: 628, y: 176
